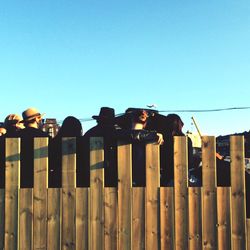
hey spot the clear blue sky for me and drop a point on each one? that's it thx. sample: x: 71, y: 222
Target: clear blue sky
x: 72, y: 57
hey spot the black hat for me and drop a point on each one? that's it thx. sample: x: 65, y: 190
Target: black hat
x: 106, y: 113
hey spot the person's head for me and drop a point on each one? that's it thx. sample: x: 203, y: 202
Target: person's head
x: 71, y: 127
x: 12, y: 122
x: 32, y: 118
x: 106, y: 116
x: 174, y: 124
x: 139, y: 118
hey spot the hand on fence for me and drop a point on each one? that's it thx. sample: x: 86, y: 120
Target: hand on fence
x: 160, y: 139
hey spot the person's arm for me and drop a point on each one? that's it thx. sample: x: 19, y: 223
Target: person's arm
x: 139, y: 136
x: 146, y: 136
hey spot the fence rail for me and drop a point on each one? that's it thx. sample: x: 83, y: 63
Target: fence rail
x: 124, y: 217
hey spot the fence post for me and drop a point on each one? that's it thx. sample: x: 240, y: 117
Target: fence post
x: 238, y: 192
x: 195, y: 218
x: 152, y: 196
x: 2, y: 217
x: 180, y: 192
x: 167, y: 217
x: 124, y: 196
x: 96, y: 193
x: 68, y: 192
x: 111, y: 218
x: 54, y: 215
x: 40, y: 192
x: 12, y: 185
x: 224, y: 221
x: 82, y: 217
x: 209, y: 215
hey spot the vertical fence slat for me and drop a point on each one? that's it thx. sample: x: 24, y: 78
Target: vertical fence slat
x: 238, y: 192
x: 209, y: 213
x: 248, y: 234
x: 26, y: 219
x: 54, y: 206
x: 223, y: 212
x: 152, y: 193
x: 40, y: 192
x: 2, y: 218
x: 180, y: 192
x: 138, y: 218
x: 68, y: 192
x: 82, y: 218
x: 124, y: 196
x: 195, y: 218
x: 12, y: 184
x: 167, y: 217
x: 96, y: 193
x: 111, y: 218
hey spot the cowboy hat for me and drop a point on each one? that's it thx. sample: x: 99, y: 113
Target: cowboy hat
x: 106, y: 113
x: 30, y: 114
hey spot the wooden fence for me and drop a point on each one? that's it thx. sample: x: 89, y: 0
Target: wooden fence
x: 126, y: 217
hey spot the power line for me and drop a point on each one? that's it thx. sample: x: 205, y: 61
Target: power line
x: 178, y: 111
x: 203, y: 110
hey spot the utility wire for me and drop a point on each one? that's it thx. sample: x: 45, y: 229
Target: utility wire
x: 203, y: 110
x: 178, y: 111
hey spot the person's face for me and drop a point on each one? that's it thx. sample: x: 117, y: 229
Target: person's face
x: 143, y: 116
x: 39, y: 122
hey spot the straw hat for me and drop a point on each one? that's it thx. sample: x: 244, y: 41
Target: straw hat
x: 12, y: 119
x: 30, y: 114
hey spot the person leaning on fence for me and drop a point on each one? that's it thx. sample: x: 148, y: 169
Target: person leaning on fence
x: 105, y: 128
x: 71, y: 127
x: 13, y: 125
x: 134, y: 131
x: 32, y: 120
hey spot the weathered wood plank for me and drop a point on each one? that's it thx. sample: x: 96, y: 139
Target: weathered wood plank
x: 195, y: 218
x: 82, y: 218
x: 111, y: 218
x: 124, y: 196
x: 68, y: 193
x: 209, y: 213
x: 138, y: 218
x: 167, y: 218
x: 26, y: 219
x: 238, y: 192
x: 152, y: 196
x: 96, y: 193
x: 223, y: 213
x: 180, y: 192
x: 2, y: 217
x: 40, y: 192
x: 248, y: 234
x: 12, y: 185
x: 54, y: 219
